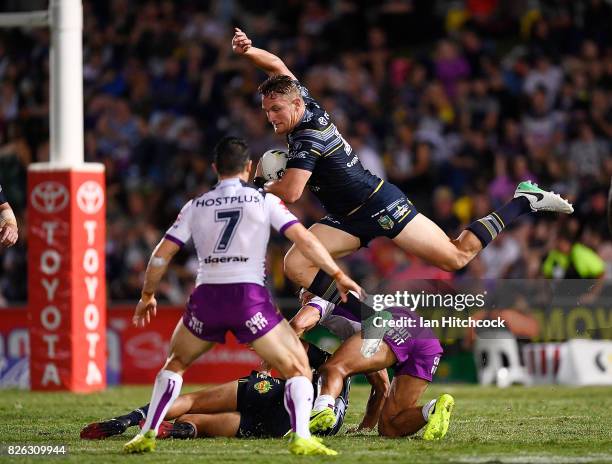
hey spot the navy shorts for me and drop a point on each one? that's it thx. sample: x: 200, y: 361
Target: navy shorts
x: 261, y: 406
x: 384, y: 214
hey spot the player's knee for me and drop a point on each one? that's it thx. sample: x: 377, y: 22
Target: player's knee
x: 331, y: 368
x: 294, y: 366
x: 386, y: 428
x: 295, y: 263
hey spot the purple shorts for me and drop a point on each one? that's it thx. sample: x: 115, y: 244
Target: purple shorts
x: 418, y: 351
x: 244, y: 309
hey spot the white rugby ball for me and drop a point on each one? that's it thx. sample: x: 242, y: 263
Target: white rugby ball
x: 273, y: 164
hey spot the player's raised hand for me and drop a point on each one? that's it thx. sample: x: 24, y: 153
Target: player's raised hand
x: 240, y: 42
x: 344, y: 283
x: 146, y: 307
x: 8, y: 235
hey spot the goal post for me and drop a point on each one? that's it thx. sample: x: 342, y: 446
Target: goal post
x: 66, y: 224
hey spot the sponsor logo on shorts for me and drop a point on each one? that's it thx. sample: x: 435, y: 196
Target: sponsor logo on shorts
x: 262, y: 387
x: 256, y: 323
x: 385, y: 222
x: 196, y: 325
x: 323, y: 121
x: 436, y: 361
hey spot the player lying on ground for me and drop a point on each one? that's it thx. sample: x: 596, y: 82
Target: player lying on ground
x: 413, y: 354
x: 230, y: 228
x: 359, y: 205
x: 8, y: 223
x: 250, y: 407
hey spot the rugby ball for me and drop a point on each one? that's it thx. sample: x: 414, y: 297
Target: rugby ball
x: 273, y: 164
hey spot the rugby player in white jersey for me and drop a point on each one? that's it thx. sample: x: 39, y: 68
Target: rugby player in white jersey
x: 230, y: 228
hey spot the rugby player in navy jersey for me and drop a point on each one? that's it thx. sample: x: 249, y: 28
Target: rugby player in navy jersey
x: 8, y: 223
x: 249, y: 407
x: 359, y: 205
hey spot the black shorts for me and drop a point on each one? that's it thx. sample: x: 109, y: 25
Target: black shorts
x: 384, y: 214
x: 260, y: 400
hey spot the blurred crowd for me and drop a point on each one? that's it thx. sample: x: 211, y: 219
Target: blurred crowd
x: 453, y: 101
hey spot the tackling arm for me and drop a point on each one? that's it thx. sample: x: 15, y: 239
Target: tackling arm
x: 271, y: 64
x: 306, y: 318
x: 379, y: 393
x: 291, y: 186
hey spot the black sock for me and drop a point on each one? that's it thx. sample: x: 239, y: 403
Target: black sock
x: 487, y: 228
x: 133, y: 418
x: 325, y: 287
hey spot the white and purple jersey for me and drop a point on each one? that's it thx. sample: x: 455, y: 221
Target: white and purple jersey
x: 417, y: 350
x: 339, y: 321
x: 230, y: 228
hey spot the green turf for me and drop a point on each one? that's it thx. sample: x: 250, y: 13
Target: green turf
x: 515, y: 425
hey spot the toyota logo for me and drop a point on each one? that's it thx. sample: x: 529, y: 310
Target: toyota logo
x: 49, y: 197
x: 90, y: 197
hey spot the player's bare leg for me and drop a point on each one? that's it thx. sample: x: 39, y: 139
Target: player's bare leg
x: 402, y: 415
x: 217, y: 399
x: 185, y: 348
x: 337, y: 242
x: 303, y: 272
x: 282, y: 349
x: 344, y: 363
x: 423, y: 238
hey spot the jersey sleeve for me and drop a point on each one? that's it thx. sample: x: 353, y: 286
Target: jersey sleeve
x: 324, y: 307
x: 280, y: 217
x: 304, y: 151
x: 2, y: 197
x: 180, y: 231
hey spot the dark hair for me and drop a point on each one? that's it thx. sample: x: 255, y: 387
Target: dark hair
x: 231, y: 155
x: 278, y: 84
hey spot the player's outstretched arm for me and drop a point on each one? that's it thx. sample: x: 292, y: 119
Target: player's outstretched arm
x: 271, y: 64
x: 313, y: 249
x: 8, y: 226
x: 379, y: 393
x: 158, y: 263
x: 305, y: 319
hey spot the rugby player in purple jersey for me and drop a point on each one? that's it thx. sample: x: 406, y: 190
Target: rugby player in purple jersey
x: 412, y: 352
x: 230, y: 228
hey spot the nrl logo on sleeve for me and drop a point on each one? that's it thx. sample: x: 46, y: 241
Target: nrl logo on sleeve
x: 262, y: 387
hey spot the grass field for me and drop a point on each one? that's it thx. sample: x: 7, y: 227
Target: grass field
x: 515, y: 425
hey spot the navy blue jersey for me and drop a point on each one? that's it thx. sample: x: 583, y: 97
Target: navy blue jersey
x: 338, y: 179
x: 2, y: 197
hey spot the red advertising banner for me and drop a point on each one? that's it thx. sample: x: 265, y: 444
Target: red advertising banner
x: 134, y: 356
x: 66, y: 278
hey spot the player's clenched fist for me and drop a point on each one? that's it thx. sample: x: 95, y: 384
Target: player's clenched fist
x: 147, y: 306
x: 240, y: 42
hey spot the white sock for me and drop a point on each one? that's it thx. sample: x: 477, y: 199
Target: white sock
x: 298, y: 401
x: 427, y: 409
x: 324, y: 401
x: 166, y: 389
